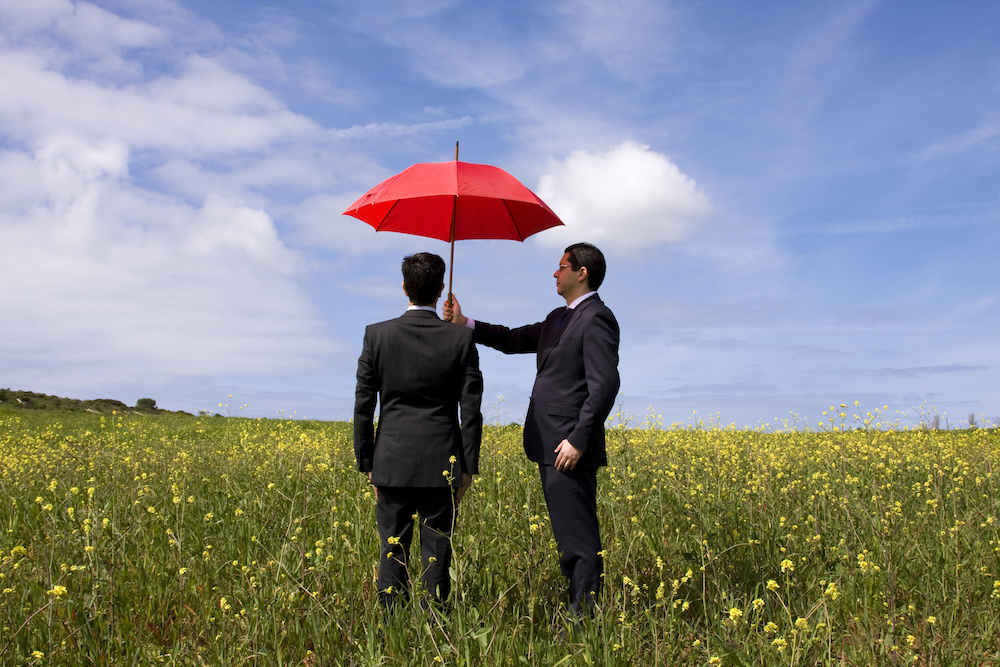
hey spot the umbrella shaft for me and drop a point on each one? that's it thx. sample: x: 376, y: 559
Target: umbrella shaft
x: 451, y: 235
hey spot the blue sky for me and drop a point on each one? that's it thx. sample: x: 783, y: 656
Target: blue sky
x: 799, y: 202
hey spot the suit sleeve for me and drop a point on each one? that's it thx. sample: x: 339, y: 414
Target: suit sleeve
x: 472, y: 415
x: 600, y: 361
x: 365, y: 398
x: 509, y: 341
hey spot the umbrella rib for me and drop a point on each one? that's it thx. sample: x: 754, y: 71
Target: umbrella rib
x: 385, y: 216
x: 513, y: 220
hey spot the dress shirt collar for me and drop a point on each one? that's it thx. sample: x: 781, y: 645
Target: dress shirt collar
x: 429, y: 309
x: 577, y: 301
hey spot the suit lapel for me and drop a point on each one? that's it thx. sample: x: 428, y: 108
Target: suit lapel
x: 574, y: 317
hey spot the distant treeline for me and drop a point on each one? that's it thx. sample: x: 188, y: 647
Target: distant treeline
x: 29, y: 400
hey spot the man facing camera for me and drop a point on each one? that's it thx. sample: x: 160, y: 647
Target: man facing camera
x: 576, y: 384
x: 422, y: 372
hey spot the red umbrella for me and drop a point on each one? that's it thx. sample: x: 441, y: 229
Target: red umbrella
x: 452, y: 201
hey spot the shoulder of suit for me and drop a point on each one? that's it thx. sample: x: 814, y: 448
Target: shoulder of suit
x: 599, y: 310
x: 386, y: 325
x: 593, y: 302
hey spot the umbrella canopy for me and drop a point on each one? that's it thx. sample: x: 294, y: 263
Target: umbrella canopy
x: 455, y: 200
x: 452, y: 201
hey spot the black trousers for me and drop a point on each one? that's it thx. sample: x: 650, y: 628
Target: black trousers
x: 395, y: 513
x: 571, y: 498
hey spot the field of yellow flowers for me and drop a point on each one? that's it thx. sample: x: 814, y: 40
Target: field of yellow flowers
x: 181, y: 540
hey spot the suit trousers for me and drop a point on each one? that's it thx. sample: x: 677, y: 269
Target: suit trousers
x: 395, y: 514
x: 571, y: 498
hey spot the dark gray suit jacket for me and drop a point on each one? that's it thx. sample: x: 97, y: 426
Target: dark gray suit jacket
x: 577, y: 380
x: 421, y: 371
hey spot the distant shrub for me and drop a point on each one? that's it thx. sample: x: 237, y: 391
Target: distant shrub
x: 145, y: 404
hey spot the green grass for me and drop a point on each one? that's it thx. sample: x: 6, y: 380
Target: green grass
x: 179, y: 540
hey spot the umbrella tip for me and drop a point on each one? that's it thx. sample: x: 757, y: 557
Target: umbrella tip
x: 456, y: 151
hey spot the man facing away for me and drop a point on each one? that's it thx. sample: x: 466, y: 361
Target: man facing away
x: 577, y: 381
x: 421, y: 458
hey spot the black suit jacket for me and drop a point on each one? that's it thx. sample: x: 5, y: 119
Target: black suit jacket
x: 577, y: 380
x: 421, y: 371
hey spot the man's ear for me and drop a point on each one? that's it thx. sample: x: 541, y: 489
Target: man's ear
x: 441, y: 291
x: 403, y: 285
x: 584, y: 275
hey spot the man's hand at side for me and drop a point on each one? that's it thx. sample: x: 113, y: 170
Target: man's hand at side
x: 567, y: 456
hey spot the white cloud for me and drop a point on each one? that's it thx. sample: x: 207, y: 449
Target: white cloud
x: 118, y: 282
x: 380, y: 130
x: 26, y: 16
x: 319, y: 223
x: 98, y: 40
x: 112, y: 281
x: 629, y: 198
x: 96, y: 29
x: 223, y: 227
x: 204, y: 109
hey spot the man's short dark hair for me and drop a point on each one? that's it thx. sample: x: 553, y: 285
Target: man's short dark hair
x: 585, y: 254
x: 423, y: 276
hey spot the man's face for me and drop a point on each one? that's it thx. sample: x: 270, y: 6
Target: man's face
x: 566, y: 278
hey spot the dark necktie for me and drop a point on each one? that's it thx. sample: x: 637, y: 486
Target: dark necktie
x: 561, y: 321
